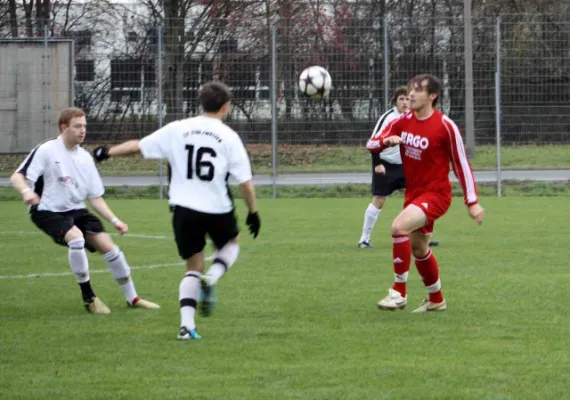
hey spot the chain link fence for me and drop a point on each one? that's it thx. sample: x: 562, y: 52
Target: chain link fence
x: 146, y: 71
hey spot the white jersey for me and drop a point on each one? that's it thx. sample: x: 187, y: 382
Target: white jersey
x: 390, y: 154
x: 62, y: 178
x: 203, y: 153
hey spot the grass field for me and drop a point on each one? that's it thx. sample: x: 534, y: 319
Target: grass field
x: 298, y: 158
x: 296, y: 317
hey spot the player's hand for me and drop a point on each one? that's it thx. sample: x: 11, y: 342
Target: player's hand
x: 254, y: 223
x: 477, y: 213
x: 380, y: 169
x: 30, y: 197
x: 121, y: 227
x: 101, y: 153
x: 392, y: 141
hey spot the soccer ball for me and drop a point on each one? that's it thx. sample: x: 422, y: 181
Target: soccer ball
x: 315, y: 82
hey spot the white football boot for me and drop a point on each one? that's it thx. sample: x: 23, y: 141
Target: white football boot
x: 427, y: 305
x: 394, y: 301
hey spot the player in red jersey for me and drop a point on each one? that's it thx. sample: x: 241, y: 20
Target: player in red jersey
x: 429, y: 141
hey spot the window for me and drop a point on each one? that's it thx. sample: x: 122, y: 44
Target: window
x: 149, y: 74
x: 85, y: 70
x: 191, y: 73
x: 265, y: 71
x: 81, y: 38
x: 207, y: 71
x: 241, y: 72
x: 126, y: 73
x: 132, y: 36
x: 152, y: 38
x: 228, y: 46
x: 119, y: 95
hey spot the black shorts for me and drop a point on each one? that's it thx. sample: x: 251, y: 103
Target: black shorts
x: 386, y: 184
x: 191, y: 227
x: 57, y: 224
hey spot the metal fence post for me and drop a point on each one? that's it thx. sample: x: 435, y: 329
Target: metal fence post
x: 274, y: 115
x: 468, y: 57
x: 386, y: 65
x: 498, y: 102
x: 46, y: 92
x: 159, y: 34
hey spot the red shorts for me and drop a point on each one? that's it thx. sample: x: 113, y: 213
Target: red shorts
x: 433, y: 205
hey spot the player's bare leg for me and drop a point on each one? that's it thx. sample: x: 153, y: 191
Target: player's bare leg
x: 409, y: 220
x: 119, y: 267
x: 224, y: 258
x: 428, y: 269
x: 80, y: 266
x: 189, y: 292
x: 370, y: 217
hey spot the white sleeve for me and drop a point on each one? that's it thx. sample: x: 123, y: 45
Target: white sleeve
x: 96, y: 188
x: 239, y: 166
x: 156, y: 145
x: 33, y: 166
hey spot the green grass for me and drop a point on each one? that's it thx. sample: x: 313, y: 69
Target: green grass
x: 296, y: 158
x: 296, y: 317
x: 509, y: 188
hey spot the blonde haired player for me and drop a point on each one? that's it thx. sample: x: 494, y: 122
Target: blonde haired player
x: 63, y: 175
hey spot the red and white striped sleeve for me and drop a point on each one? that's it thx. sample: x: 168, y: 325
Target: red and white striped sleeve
x: 376, y: 143
x: 461, y: 165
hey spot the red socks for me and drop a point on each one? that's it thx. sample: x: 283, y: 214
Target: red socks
x: 427, y: 268
x: 402, y: 257
x: 429, y: 271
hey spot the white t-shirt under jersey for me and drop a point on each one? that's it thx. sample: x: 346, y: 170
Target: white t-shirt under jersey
x: 62, y: 178
x: 390, y: 154
x: 203, y: 153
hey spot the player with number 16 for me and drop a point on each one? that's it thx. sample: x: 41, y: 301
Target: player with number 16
x: 202, y: 153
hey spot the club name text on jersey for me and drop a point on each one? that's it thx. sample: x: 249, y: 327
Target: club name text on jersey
x: 206, y: 133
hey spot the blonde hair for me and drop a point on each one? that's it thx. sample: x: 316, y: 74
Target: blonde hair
x: 68, y: 114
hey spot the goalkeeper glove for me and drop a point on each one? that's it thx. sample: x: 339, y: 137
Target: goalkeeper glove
x: 254, y: 223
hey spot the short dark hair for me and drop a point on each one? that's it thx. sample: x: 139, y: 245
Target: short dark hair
x: 400, y: 91
x: 67, y: 114
x: 434, y: 85
x: 214, y: 95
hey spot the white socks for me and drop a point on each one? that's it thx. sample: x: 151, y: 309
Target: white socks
x: 78, y: 259
x: 223, y: 260
x: 122, y: 273
x: 370, y: 218
x: 189, y: 293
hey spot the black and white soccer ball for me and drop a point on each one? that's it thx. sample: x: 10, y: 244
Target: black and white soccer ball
x: 315, y: 82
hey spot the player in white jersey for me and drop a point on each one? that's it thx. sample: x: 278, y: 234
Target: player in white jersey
x: 387, y: 170
x: 63, y: 175
x: 202, y: 153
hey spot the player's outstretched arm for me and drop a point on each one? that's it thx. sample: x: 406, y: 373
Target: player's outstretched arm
x: 124, y: 149
x: 253, y: 221
x: 101, y: 207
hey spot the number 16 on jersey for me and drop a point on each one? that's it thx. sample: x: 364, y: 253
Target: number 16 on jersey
x: 204, y: 169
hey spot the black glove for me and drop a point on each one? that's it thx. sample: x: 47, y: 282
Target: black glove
x: 101, y: 153
x: 254, y: 223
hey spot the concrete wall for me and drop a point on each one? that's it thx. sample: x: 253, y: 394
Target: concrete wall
x: 35, y: 84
